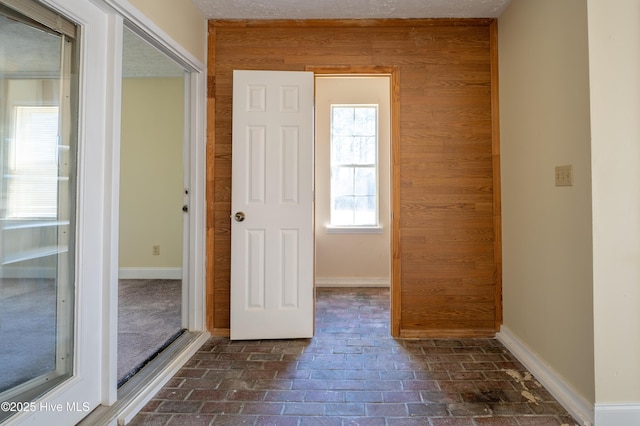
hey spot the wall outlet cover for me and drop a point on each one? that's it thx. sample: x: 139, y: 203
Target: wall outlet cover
x: 564, y: 175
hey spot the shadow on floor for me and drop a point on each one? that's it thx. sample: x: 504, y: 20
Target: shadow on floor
x: 352, y: 372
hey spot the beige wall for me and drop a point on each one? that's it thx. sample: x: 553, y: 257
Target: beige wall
x: 614, y: 50
x: 151, y: 175
x: 360, y: 258
x: 547, y: 244
x: 181, y: 20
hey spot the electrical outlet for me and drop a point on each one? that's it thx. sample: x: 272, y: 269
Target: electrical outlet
x: 564, y: 175
x: 156, y: 250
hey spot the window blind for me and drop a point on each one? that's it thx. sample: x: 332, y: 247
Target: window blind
x: 32, y: 178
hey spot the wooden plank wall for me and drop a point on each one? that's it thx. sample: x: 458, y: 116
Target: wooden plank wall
x: 447, y: 156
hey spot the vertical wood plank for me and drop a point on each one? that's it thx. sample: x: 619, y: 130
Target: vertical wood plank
x: 445, y: 156
x: 497, y: 193
x: 396, y: 242
x: 210, y: 185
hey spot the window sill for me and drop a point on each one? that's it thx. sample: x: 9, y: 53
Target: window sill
x: 354, y: 229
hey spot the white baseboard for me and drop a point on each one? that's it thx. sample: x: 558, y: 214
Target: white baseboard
x: 150, y: 273
x: 617, y: 414
x: 581, y: 409
x: 352, y: 282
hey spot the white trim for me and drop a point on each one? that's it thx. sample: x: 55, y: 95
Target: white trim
x: 581, y: 409
x: 196, y: 298
x: 353, y: 282
x: 113, y: 49
x: 617, y: 414
x: 150, y: 273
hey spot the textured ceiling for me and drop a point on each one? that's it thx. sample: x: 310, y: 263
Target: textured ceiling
x: 141, y: 60
x: 349, y: 9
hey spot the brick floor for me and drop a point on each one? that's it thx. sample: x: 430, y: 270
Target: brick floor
x: 353, y: 373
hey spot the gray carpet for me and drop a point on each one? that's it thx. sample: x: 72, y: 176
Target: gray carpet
x: 27, y: 331
x: 149, y: 317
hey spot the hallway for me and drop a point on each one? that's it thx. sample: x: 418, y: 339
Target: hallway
x: 352, y: 372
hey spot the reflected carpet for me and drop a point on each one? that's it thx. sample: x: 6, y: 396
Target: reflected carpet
x: 149, y: 318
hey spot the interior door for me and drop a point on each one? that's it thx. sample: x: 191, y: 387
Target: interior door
x: 272, y: 288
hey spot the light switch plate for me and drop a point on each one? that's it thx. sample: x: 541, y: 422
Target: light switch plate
x: 564, y: 175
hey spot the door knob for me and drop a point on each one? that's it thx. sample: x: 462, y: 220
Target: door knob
x: 239, y: 216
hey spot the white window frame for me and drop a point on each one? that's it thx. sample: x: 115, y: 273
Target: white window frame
x: 375, y: 227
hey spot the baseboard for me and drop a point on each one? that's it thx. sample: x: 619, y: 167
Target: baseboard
x: 445, y: 333
x: 352, y: 282
x: 574, y: 403
x: 617, y: 414
x: 221, y: 332
x: 150, y: 273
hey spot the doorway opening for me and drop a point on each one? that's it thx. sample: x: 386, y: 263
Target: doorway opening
x: 287, y: 166
x: 152, y: 193
x: 353, y: 220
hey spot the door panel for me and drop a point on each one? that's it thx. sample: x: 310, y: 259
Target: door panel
x: 153, y: 224
x: 37, y: 209
x: 51, y: 253
x: 272, y: 205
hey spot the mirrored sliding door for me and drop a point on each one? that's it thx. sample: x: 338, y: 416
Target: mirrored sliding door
x: 152, y: 194
x: 38, y: 121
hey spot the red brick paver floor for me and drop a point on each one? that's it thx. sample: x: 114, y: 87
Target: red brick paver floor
x: 353, y: 373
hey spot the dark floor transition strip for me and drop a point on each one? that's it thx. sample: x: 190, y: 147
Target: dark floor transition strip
x: 139, y: 367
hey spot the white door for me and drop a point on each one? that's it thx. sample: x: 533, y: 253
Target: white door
x: 272, y: 289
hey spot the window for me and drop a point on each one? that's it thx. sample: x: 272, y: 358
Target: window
x: 32, y: 181
x: 354, y: 165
